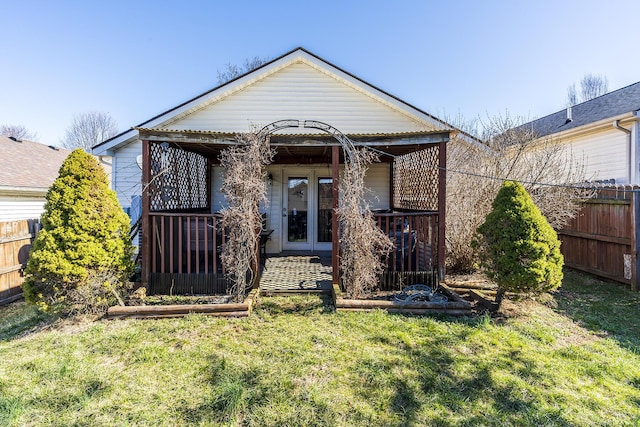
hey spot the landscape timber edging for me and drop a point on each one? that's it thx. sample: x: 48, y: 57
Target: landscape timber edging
x: 180, y: 310
x: 457, y: 307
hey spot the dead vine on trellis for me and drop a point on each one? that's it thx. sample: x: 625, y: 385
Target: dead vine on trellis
x: 244, y: 187
x: 363, y: 245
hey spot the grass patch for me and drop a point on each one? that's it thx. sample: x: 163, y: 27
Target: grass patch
x: 20, y: 317
x: 295, y: 362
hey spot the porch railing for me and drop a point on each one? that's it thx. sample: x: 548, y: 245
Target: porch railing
x: 185, y: 253
x: 414, y: 257
x: 186, y: 248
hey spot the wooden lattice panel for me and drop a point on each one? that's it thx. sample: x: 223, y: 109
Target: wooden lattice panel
x: 178, y: 179
x: 415, y: 180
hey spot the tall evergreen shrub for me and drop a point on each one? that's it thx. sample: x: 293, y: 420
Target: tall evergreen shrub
x: 83, y: 253
x: 518, y: 248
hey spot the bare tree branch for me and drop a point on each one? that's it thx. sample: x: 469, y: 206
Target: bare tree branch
x: 363, y: 244
x: 244, y: 187
x: 591, y: 86
x: 18, y: 132
x: 89, y: 129
x: 231, y: 71
x: 475, y: 175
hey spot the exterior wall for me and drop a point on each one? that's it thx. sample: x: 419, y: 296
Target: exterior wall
x: 377, y: 180
x: 635, y: 152
x: 605, y: 155
x: 299, y: 91
x: 126, y: 174
x: 20, y: 207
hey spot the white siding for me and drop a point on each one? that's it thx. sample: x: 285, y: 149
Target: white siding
x: 217, y: 198
x: 127, y: 176
x: 300, y: 91
x: 274, y: 209
x: 605, y: 155
x: 20, y: 207
x: 377, y: 180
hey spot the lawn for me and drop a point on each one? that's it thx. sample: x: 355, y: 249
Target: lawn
x: 573, y: 359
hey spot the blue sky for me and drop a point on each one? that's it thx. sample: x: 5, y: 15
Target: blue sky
x: 135, y: 59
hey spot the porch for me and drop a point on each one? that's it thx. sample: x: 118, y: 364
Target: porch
x: 182, y: 237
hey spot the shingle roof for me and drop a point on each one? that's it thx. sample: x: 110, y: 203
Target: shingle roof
x: 612, y: 104
x: 29, y: 164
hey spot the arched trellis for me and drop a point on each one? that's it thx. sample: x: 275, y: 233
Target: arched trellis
x: 348, y: 147
x: 356, y: 161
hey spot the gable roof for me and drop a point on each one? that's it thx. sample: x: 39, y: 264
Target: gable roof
x: 172, y: 118
x: 27, y: 165
x: 609, y: 105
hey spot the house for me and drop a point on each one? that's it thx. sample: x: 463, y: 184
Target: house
x: 604, y: 132
x: 307, y: 106
x: 27, y: 170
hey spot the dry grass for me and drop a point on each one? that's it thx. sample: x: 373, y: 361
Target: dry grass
x: 295, y: 362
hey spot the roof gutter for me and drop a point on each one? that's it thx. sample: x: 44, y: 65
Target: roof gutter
x: 11, y: 190
x: 616, y: 124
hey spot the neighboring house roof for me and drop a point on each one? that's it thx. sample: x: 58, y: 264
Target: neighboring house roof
x: 28, y: 166
x: 612, y: 104
x: 191, y: 112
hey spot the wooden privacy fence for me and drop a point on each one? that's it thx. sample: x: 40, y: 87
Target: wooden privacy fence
x: 15, y: 242
x: 603, y: 238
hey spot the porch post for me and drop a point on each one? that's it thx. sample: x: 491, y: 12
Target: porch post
x: 145, y: 250
x: 335, y: 173
x: 442, y: 202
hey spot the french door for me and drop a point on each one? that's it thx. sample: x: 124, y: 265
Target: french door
x: 307, y: 209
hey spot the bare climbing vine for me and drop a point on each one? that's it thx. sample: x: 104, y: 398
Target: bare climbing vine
x: 364, y: 246
x: 244, y: 187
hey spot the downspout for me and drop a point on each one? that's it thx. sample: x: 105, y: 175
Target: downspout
x: 616, y: 124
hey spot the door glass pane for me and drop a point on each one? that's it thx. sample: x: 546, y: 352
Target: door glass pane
x: 298, y: 193
x: 325, y: 209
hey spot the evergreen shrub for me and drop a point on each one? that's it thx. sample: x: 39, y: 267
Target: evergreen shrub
x: 518, y: 248
x: 83, y: 254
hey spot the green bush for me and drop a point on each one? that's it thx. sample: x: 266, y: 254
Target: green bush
x: 85, y: 236
x: 518, y: 248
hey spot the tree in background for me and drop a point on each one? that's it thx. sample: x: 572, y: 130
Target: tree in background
x: 591, y: 86
x: 231, y: 71
x: 509, y: 152
x: 518, y: 248
x: 89, y: 129
x: 82, y: 256
x: 18, y: 132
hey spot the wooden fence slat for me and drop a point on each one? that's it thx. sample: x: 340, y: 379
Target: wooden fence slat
x: 603, y: 238
x: 16, y: 238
